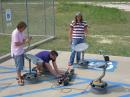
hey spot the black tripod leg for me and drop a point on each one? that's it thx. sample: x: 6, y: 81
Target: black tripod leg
x: 29, y: 66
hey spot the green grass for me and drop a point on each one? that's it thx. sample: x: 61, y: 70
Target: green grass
x: 94, y: 0
x: 108, y: 29
x: 4, y: 45
x: 104, y: 24
x: 67, y: 0
x: 36, y: 21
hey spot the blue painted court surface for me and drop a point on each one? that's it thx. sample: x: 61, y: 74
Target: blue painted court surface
x: 117, y: 77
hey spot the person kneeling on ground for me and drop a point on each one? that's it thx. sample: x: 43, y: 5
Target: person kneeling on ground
x: 48, y: 56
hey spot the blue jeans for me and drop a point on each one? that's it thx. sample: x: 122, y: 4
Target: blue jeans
x: 19, y: 62
x: 73, y: 53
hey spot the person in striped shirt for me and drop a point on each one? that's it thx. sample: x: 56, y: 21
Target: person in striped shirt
x: 77, y: 33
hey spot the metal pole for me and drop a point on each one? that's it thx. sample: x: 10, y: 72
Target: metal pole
x: 1, y: 15
x: 27, y: 21
x: 1, y: 10
x: 82, y: 55
x: 45, y: 15
x: 54, y: 17
x: 30, y: 66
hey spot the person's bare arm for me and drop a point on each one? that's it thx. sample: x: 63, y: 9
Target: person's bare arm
x: 55, y: 66
x: 19, y: 43
x: 27, y: 40
x: 49, y: 67
x: 86, y: 30
x: 70, y: 34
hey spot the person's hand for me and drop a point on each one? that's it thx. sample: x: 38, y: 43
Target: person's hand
x: 85, y: 35
x: 70, y: 41
x: 61, y: 72
x: 28, y: 40
x: 69, y: 67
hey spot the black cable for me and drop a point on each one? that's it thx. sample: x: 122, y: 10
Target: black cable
x: 63, y: 90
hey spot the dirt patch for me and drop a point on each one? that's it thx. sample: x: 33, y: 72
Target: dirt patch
x: 125, y: 7
x: 119, y: 5
x: 105, y: 41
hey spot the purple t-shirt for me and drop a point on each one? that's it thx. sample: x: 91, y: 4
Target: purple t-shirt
x: 44, y: 55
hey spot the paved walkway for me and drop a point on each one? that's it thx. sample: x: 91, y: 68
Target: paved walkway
x: 118, y: 80
x: 120, y: 5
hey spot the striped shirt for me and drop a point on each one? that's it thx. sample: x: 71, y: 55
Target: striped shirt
x: 78, y: 29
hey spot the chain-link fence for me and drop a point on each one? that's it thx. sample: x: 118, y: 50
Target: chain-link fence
x: 38, y: 14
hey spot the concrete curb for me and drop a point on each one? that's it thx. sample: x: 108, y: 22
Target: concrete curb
x: 8, y: 56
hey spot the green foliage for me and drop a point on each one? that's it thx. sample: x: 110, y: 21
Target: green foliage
x: 105, y: 24
x: 4, y: 44
x: 108, y: 29
x: 98, y: 14
x: 93, y: 0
